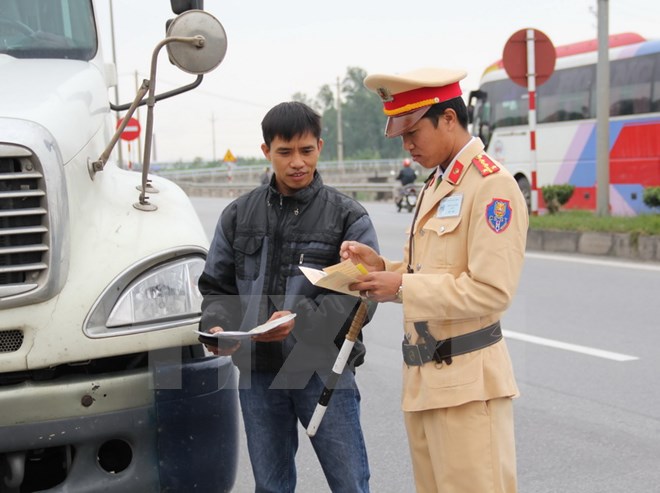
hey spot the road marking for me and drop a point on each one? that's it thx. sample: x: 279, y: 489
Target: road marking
x: 581, y: 259
x: 600, y: 353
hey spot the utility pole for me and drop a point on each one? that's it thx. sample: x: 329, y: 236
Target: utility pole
x: 340, y: 132
x: 213, y: 136
x: 603, y: 112
x: 114, y: 61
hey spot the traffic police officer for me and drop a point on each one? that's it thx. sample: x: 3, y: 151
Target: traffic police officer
x: 460, y: 270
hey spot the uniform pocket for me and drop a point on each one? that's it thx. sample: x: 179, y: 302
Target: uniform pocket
x: 442, y: 241
x: 248, y: 251
x: 465, y: 369
x: 441, y: 226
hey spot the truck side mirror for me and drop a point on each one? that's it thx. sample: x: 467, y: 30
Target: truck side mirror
x: 193, y: 58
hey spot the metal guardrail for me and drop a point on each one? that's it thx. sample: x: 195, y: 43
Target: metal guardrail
x: 368, y: 191
x: 364, y: 179
x: 330, y: 170
x: 350, y: 187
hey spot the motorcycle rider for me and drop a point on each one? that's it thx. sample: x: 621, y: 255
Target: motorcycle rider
x: 406, y: 176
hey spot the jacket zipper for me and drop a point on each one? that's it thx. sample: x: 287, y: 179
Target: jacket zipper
x: 277, y: 240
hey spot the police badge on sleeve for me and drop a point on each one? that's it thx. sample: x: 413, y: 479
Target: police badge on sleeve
x: 498, y: 214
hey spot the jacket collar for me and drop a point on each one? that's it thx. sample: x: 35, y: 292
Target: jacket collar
x: 302, y: 196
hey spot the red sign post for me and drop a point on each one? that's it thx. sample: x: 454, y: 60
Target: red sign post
x: 529, y: 60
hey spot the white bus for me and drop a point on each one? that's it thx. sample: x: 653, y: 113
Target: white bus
x: 566, y: 123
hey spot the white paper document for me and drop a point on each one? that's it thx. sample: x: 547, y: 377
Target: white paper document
x: 336, y: 277
x: 259, y: 329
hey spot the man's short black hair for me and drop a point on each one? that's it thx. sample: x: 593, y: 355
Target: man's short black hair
x: 288, y: 120
x: 457, y: 104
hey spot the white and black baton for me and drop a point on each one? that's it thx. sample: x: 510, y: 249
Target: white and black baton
x: 337, y: 369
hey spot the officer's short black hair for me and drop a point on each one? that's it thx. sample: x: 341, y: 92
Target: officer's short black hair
x: 457, y: 104
x: 288, y: 120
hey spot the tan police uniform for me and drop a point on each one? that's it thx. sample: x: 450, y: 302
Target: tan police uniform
x: 468, y: 244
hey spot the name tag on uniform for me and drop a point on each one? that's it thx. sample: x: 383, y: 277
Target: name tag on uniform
x: 450, y: 206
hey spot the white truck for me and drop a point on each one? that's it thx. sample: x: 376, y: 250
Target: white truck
x: 103, y: 384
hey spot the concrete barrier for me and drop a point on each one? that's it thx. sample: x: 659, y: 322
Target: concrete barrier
x: 619, y: 245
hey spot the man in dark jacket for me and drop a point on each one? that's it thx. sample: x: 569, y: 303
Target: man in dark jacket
x: 252, y: 275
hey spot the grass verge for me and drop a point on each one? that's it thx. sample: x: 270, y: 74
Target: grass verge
x: 574, y: 220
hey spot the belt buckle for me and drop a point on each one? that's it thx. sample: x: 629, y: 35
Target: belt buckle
x: 437, y: 357
x: 412, y: 355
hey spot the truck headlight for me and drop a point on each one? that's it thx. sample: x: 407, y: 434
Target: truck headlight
x: 162, y: 295
x: 168, y: 292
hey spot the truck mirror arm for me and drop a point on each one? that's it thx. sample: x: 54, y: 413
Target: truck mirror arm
x: 197, y: 41
x: 148, y: 85
x: 160, y: 97
x: 99, y: 164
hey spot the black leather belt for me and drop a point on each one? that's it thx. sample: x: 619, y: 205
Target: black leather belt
x: 442, y: 351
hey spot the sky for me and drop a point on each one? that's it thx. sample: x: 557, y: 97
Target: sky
x: 279, y: 48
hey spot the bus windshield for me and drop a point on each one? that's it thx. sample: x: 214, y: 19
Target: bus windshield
x: 47, y: 29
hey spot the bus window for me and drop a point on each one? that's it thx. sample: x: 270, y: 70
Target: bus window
x: 655, y: 95
x: 566, y: 95
x: 508, y: 104
x: 630, y: 85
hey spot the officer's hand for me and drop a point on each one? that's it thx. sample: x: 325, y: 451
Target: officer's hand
x: 363, y: 254
x: 378, y: 286
x: 225, y: 347
x: 280, y: 332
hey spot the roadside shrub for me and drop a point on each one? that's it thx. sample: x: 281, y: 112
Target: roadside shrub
x: 556, y: 195
x: 652, y: 196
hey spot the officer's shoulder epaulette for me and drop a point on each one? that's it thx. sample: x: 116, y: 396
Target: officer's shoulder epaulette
x: 485, y: 165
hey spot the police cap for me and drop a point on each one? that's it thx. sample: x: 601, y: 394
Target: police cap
x: 407, y: 97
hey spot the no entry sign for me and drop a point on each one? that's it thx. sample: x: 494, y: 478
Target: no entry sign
x: 515, y: 58
x: 132, y: 129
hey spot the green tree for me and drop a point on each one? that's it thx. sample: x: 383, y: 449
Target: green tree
x: 303, y: 98
x: 363, y: 121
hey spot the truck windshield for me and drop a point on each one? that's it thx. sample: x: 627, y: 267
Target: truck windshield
x: 47, y: 29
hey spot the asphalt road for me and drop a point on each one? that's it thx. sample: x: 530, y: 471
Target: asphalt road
x: 583, y: 333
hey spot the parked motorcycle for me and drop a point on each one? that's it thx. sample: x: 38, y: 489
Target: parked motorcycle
x: 406, y: 198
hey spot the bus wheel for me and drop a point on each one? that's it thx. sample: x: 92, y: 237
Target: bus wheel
x: 526, y: 189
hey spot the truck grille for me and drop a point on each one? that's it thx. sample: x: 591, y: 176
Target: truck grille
x: 23, y: 224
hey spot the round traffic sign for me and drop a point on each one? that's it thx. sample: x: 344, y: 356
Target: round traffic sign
x: 514, y: 57
x: 131, y: 130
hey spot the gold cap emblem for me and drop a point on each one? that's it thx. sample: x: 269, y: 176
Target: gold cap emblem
x: 384, y: 94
